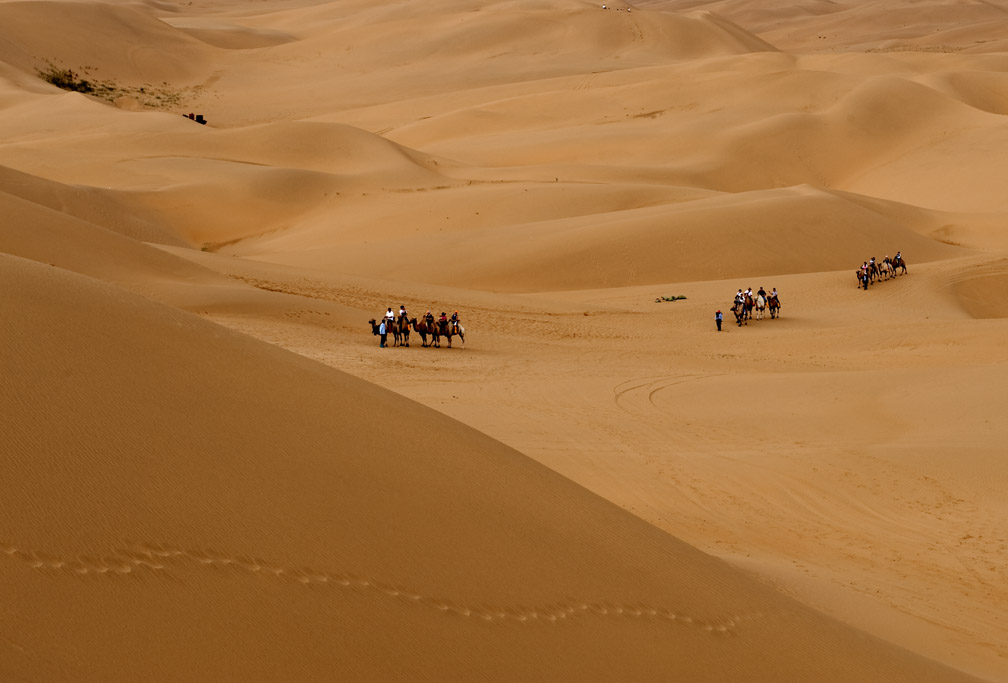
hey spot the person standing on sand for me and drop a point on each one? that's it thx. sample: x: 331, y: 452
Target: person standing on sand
x: 383, y: 331
x: 717, y: 319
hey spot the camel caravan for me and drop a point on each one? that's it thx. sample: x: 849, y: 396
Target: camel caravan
x: 871, y: 272
x: 754, y: 306
x: 399, y: 325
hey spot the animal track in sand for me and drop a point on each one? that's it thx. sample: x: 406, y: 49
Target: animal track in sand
x: 145, y: 557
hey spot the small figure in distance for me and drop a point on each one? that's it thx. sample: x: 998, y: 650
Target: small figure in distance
x: 718, y: 318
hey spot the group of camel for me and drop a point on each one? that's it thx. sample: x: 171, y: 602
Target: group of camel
x: 870, y: 271
x: 400, y: 327
x: 751, y: 306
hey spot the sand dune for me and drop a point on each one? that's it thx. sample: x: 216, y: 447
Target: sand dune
x: 86, y: 203
x: 302, y: 526
x: 124, y: 42
x: 685, y: 241
x: 213, y: 471
x: 904, y: 24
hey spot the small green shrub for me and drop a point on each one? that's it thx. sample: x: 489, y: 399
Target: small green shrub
x: 67, y: 79
x: 162, y: 96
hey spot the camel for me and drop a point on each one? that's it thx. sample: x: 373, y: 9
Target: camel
x: 738, y: 308
x: 899, y: 262
x: 873, y: 271
x: 423, y: 329
x: 450, y: 329
x: 376, y: 327
x: 402, y: 326
x: 760, y: 306
x: 773, y: 303
x: 393, y: 331
x: 862, y: 278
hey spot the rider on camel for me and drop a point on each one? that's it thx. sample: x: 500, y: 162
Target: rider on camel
x: 455, y: 321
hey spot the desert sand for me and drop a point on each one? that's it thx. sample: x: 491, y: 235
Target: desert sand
x: 213, y: 472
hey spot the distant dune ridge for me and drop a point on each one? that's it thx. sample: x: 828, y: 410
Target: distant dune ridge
x: 212, y: 471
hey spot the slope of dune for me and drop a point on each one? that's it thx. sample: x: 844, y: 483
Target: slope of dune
x: 791, y: 230
x: 56, y: 239
x: 562, y: 30
x: 851, y: 25
x: 984, y: 90
x: 86, y: 203
x: 257, y: 504
x: 124, y: 42
x: 255, y: 180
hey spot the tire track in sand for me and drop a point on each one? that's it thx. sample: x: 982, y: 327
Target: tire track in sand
x: 625, y: 394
